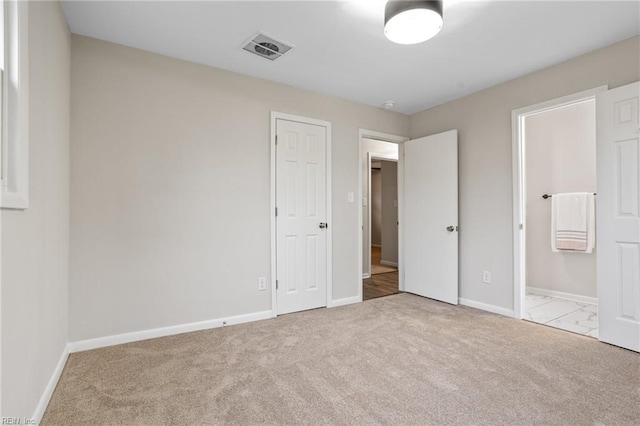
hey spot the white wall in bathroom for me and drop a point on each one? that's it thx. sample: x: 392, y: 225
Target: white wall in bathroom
x: 560, y: 156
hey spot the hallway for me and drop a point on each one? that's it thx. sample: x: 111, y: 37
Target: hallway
x: 383, y: 280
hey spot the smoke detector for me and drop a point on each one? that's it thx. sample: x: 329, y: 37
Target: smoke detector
x: 266, y: 46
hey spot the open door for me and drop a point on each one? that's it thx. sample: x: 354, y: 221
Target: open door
x: 430, y: 215
x: 618, y: 215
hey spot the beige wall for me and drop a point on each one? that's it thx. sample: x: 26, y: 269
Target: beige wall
x: 170, y: 188
x: 560, y: 156
x: 483, y: 121
x: 389, y: 211
x: 35, y: 250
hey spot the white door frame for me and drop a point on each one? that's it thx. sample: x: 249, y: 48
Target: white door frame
x: 378, y: 157
x: 519, y: 190
x: 385, y: 137
x: 329, y: 267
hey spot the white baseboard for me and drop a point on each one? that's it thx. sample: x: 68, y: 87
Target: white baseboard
x: 387, y: 263
x: 376, y: 245
x: 345, y: 301
x: 51, y: 386
x: 118, y: 339
x: 365, y: 276
x: 563, y: 295
x: 486, y: 307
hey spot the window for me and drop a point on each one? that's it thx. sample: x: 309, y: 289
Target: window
x: 14, y: 167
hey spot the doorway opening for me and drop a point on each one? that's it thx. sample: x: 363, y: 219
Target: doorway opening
x: 379, y: 203
x: 383, y: 224
x: 554, y: 213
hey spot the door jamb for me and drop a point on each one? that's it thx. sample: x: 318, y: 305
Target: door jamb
x: 385, y: 137
x: 519, y: 189
x: 329, y: 267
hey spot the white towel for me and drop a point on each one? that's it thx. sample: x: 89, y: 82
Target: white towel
x: 573, y: 222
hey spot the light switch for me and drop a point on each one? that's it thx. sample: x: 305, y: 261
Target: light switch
x: 364, y: 201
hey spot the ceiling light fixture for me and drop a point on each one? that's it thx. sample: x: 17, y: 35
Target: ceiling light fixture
x: 412, y: 21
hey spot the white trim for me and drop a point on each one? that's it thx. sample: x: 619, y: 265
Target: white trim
x: 272, y: 215
x: 385, y: 137
x: 365, y: 276
x: 562, y: 295
x: 14, y: 189
x: 136, y: 336
x: 329, y: 191
x: 401, y: 267
x: 519, y: 191
x: 367, y: 255
x: 387, y: 263
x: 376, y: 245
x: 383, y: 157
x: 51, y: 386
x: 486, y: 307
x: 345, y: 301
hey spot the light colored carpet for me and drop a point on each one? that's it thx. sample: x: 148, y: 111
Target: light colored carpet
x: 376, y: 266
x: 382, y: 269
x: 397, y: 360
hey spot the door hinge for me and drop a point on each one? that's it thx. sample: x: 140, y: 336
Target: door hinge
x: 276, y: 284
x: 276, y: 140
x: 276, y: 212
x: 521, y: 226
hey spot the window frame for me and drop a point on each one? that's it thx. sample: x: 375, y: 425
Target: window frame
x: 14, y: 167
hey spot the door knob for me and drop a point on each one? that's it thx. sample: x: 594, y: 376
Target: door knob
x: 323, y: 225
x: 451, y: 228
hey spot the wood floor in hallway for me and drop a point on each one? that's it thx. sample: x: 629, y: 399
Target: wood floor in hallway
x: 380, y: 284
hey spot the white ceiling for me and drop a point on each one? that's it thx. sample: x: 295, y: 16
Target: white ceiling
x: 341, y: 49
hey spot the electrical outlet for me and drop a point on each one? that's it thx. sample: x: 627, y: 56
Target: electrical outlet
x: 262, y: 283
x: 486, y: 277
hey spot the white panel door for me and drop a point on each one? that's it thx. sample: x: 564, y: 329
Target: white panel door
x: 301, y: 201
x: 618, y: 216
x: 430, y: 231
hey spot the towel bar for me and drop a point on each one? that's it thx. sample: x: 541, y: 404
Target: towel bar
x: 545, y: 196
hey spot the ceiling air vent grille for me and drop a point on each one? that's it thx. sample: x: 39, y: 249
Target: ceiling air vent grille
x: 266, y: 46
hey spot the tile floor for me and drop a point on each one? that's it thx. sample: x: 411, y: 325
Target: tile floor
x: 577, y: 317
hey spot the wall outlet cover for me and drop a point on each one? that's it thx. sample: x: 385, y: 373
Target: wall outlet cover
x: 262, y: 283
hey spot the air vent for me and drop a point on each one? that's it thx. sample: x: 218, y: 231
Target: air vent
x: 266, y: 46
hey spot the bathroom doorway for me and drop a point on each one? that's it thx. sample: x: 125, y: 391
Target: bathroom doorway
x: 558, y: 256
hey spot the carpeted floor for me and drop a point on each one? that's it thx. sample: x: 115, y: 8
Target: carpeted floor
x: 376, y: 266
x: 397, y: 360
x: 382, y: 269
